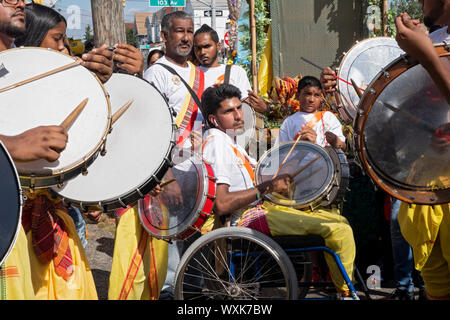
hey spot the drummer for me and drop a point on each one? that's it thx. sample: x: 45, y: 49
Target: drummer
x: 236, y: 191
x: 309, y: 124
x: 63, y: 266
x: 177, y: 30
x: 429, y: 241
x: 206, y: 48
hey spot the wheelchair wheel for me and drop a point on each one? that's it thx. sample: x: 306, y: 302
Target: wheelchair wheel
x: 235, y: 263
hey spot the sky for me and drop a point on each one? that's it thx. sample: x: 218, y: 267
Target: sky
x: 76, y: 30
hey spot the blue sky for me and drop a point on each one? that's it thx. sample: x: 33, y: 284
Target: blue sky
x: 131, y: 6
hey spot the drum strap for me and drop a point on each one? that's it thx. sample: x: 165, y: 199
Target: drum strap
x: 311, y: 123
x: 186, y: 118
x: 226, y: 80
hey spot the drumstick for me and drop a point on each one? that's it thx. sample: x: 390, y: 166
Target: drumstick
x: 296, y: 173
x: 74, y: 114
x: 358, y: 92
x: 165, y: 183
x: 121, y: 111
x: 321, y: 69
x: 287, y: 156
x: 40, y: 76
x: 428, y: 127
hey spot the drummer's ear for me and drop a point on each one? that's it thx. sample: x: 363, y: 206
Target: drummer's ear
x: 212, y: 120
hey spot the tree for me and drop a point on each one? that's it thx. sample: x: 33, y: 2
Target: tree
x: 88, y: 34
x: 131, y: 39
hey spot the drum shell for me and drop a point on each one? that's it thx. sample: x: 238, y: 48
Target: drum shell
x: 386, y: 76
x: 11, y: 217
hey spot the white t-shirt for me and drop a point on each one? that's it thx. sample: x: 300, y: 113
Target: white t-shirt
x: 171, y: 87
x: 228, y: 169
x: 238, y: 78
x: 293, y: 124
x: 440, y: 35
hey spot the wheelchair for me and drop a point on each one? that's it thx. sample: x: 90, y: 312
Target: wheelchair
x: 238, y: 263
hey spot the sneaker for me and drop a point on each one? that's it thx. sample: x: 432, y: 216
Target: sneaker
x: 399, y: 294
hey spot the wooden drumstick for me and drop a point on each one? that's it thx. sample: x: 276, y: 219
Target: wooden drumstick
x: 296, y: 173
x: 43, y: 75
x: 287, y: 156
x: 165, y: 183
x: 74, y: 114
x: 358, y: 91
x: 121, y: 111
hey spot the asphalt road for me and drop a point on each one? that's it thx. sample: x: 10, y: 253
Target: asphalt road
x: 100, y: 248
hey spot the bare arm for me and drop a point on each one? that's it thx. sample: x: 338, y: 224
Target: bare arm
x: 45, y: 142
x: 413, y: 40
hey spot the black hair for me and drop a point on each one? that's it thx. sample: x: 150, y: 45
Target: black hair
x: 39, y: 20
x: 207, y: 29
x: 166, y: 22
x: 213, y: 96
x: 152, y: 53
x: 308, y: 81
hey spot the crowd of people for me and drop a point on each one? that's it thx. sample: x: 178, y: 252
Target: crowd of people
x: 48, y: 259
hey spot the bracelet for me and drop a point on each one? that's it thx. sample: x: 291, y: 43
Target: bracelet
x: 258, y: 196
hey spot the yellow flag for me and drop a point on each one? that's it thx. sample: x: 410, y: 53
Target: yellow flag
x: 265, y: 72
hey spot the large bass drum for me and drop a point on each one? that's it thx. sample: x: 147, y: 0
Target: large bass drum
x: 11, y: 208
x: 48, y: 101
x: 402, y: 132
x: 320, y: 175
x: 138, y: 150
x: 361, y: 64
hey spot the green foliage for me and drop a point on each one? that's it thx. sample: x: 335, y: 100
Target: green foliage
x: 131, y: 39
x: 412, y: 7
x: 88, y: 34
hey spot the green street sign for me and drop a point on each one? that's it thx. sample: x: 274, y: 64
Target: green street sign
x: 167, y: 3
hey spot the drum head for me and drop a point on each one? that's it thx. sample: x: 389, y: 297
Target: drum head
x: 11, y: 208
x: 48, y: 101
x: 362, y: 63
x: 310, y: 166
x: 137, y: 148
x: 176, y: 208
x: 405, y: 116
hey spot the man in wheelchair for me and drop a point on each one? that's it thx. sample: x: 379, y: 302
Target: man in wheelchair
x: 238, y: 198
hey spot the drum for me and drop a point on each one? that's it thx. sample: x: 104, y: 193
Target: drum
x: 11, y: 200
x: 362, y: 63
x: 185, y: 203
x: 320, y: 175
x: 138, y: 150
x: 253, y: 123
x: 400, y: 117
x: 48, y: 101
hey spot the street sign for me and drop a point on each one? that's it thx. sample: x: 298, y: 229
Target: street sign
x: 167, y: 3
x: 207, y: 13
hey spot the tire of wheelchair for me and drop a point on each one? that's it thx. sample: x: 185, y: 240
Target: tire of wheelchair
x: 218, y: 285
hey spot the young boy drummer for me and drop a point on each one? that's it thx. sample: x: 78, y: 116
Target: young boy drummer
x: 320, y: 127
x: 236, y: 191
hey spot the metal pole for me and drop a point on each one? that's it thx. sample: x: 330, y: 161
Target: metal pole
x: 213, y: 14
x: 253, y: 46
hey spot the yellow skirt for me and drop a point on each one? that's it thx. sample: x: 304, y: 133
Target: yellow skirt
x: 427, y: 230
x: 48, y: 285
x: 139, y: 264
x: 16, y: 272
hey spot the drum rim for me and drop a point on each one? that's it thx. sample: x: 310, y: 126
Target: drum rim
x: 338, y: 175
x: 19, y: 220
x: 382, y: 180
x: 195, y: 215
x: 26, y: 179
x: 115, y: 203
x: 318, y: 198
x: 341, y: 64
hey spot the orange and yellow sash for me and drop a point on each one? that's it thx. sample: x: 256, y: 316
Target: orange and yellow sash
x: 311, y: 123
x: 186, y: 117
